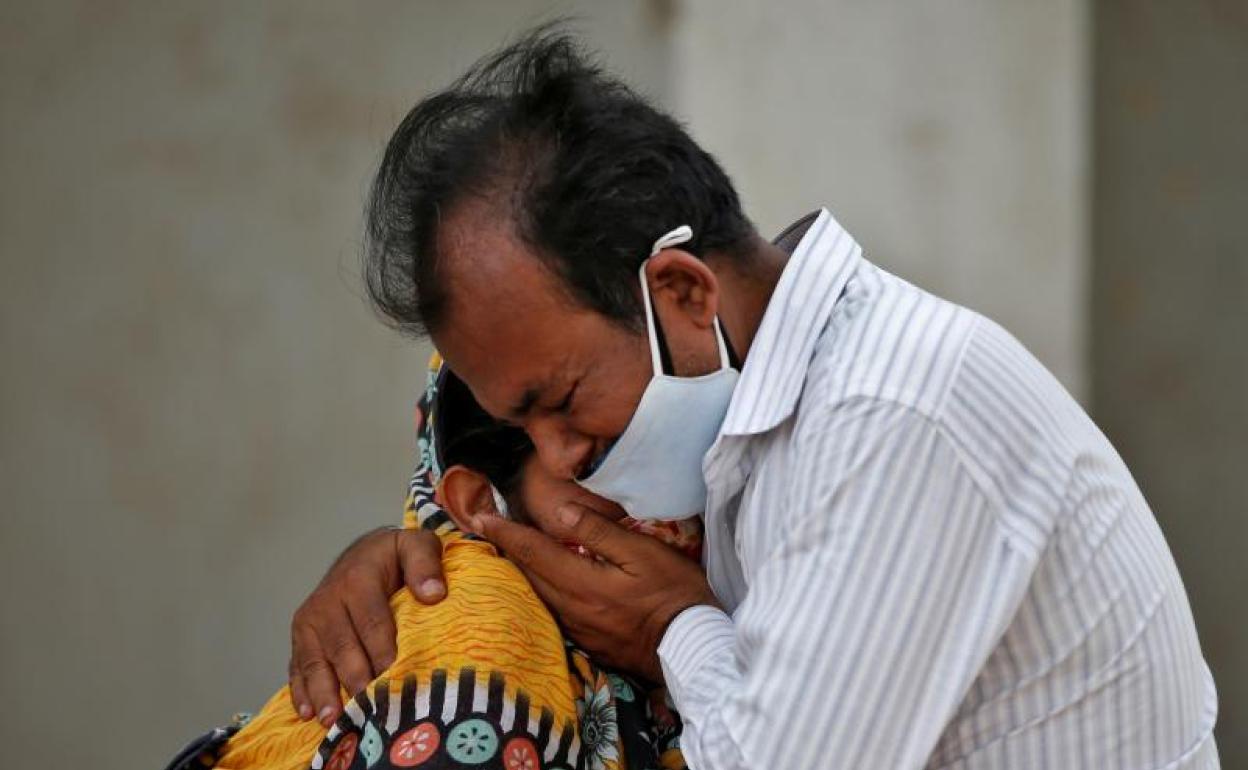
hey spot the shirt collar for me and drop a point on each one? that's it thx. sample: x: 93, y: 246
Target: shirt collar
x: 780, y: 354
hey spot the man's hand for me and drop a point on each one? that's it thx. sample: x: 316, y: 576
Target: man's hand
x: 344, y: 630
x: 619, y: 608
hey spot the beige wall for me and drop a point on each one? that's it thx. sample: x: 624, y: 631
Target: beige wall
x: 1170, y: 300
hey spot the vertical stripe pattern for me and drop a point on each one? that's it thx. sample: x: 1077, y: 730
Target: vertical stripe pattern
x: 930, y: 557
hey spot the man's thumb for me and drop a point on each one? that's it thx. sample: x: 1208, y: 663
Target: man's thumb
x: 420, y: 555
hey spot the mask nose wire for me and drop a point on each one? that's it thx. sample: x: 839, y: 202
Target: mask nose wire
x: 679, y: 235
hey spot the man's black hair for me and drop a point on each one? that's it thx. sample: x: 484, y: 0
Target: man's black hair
x: 586, y: 169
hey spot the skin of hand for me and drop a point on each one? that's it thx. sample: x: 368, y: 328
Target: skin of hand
x: 618, y: 607
x: 344, y: 630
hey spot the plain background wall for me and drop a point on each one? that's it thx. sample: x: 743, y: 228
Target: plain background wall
x: 1170, y: 309
x: 198, y: 410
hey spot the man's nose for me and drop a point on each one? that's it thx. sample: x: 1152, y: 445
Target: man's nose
x: 561, y: 451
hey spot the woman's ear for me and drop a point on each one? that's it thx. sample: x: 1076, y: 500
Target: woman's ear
x: 464, y: 493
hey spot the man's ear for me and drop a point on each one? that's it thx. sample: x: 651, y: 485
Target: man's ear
x: 685, y: 293
x: 464, y: 493
x: 678, y: 278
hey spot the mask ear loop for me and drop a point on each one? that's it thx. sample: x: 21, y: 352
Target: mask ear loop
x: 682, y: 234
x: 656, y: 362
x: 724, y: 362
x: 500, y: 503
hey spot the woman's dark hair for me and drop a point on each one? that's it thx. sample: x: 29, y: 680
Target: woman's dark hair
x: 587, y: 170
x: 467, y: 435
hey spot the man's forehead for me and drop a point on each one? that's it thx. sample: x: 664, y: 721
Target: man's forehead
x: 509, y: 322
x: 508, y: 382
x: 478, y: 237
x: 488, y: 267
x: 506, y: 349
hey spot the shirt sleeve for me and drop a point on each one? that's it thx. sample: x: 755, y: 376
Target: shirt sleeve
x: 864, y: 626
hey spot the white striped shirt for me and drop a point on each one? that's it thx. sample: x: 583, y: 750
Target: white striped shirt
x: 929, y: 554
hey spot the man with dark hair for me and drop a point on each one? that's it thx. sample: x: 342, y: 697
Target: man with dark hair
x: 919, y: 550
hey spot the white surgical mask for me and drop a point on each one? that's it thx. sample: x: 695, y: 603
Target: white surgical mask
x: 654, y: 469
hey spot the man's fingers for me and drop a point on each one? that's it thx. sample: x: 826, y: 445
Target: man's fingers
x: 344, y: 631
x: 535, y: 552
x: 420, y: 554
x: 299, y: 692
x: 320, y: 683
x: 346, y: 653
x: 544, y: 590
x: 374, y: 624
x: 601, y: 535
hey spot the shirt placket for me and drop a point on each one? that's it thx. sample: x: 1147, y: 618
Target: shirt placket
x: 726, y: 474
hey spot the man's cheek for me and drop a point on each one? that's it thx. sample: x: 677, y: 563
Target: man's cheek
x: 608, y: 411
